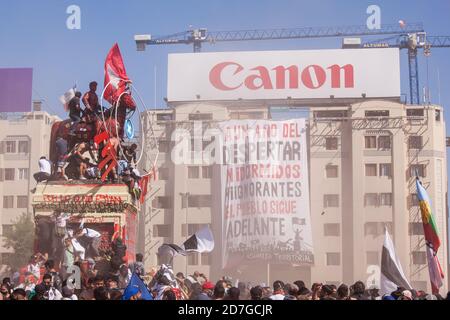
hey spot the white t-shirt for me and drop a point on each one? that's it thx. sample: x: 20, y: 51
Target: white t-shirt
x: 277, y: 297
x: 45, y: 166
x: 34, y: 269
x: 90, y: 233
x: 61, y: 220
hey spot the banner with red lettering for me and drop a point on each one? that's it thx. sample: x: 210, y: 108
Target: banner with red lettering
x: 284, y: 75
x: 265, y: 193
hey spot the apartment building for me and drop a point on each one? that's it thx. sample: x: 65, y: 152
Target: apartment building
x: 24, y: 138
x: 363, y: 160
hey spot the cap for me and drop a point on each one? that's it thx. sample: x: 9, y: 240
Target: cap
x: 407, y: 294
x: 208, y: 285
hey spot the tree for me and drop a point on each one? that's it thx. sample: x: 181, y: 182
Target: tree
x: 21, y: 240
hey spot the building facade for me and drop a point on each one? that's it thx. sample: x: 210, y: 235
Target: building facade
x: 23, y: 140
x: 363, y: 160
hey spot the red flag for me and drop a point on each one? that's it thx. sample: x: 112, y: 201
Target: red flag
x: 143, y: 184
x: 115, y: 75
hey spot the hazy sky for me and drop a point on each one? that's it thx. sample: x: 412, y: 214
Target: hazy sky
x: 34, y: 34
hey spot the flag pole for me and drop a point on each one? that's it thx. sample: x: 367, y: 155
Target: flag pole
x: 268, y: 274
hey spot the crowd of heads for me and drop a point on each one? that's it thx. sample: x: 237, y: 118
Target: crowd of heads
x: 164, y: 285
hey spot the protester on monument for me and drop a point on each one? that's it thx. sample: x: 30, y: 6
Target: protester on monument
x: 119, y: 249
x: 45, y: 170
x: 69, y: 257
x: 90, y: 240
x: 61, y: 155
x: 90, y: 101
x: 76, y: 168
x: 278, y: 290
x: 75, y: 111
x: 129, y: 154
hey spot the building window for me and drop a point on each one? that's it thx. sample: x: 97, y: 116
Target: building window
x: 23, y: 146
x: 206, y: 172
x: 415, y: 113
x: 22, y: 202
x: 377, y: 113
x: 416, y: 229
x: 331, y: 230
x: 370, y: 142
x: 384, y: 142
x: 437, y: 114
x: 5, y: 258
x: 7, y: 229
x: 419, y: 257
x: 372, y: 258
x: 386, y: 199
x: 415, y: 142
x: 23, y: 174
x: 162, y: 202
x: 163, y: 146
x: 164, y: 117
x: 331, y: 171
x: 331, y: 201
x: 206, y: 259
x: 417, y: 170
x: 333, y: 258
x: 199, y: 201
x: 192, y: 259
x: 10, y: 146
x: 331, y: 114
x: 200, y: 116
x: 163, y: 173
x: 385, y: 170
x: 9, y: 174
x: 376, y: 229
x: 193, y: 172
x: 8, y: 202
x: 371, y: 170
x: 331, y: 143
x: 161, y: 230
x: 414, y: 200
x: 370, y: 200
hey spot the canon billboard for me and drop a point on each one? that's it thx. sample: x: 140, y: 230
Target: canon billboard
x: 279, y: 75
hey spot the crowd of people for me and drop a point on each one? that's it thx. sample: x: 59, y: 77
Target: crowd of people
x: 78, y: 155
x: 43, y: 282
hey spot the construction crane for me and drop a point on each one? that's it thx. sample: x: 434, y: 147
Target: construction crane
x: 413, y: 42
x: 411, y: 36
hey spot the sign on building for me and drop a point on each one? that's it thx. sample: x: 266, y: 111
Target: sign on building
x: 265, y: 192
x: 281, y: 75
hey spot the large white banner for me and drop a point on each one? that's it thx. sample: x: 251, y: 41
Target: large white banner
x: 266, y: 210
x: 280, y: 75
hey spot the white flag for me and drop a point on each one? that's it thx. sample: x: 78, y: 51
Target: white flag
x: 65, y: 99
